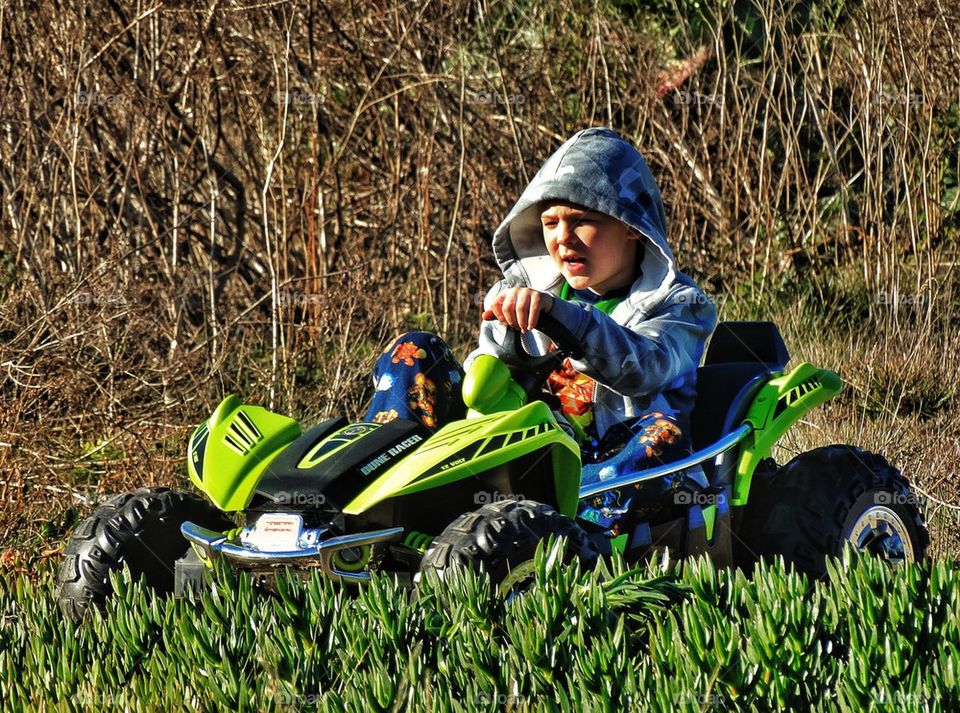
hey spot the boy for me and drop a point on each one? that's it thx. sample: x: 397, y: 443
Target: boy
x: 586, y: 242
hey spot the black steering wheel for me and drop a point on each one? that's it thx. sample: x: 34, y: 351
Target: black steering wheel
x: 531, y: 372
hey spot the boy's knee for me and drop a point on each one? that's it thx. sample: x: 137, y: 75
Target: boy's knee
x: 409, y: 345
x: 418, y: 338
x: 423, y: 348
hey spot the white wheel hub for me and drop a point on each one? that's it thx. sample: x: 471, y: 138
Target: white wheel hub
x: 883, y: 532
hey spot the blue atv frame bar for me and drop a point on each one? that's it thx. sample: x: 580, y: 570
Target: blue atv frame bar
x: 724, y: 444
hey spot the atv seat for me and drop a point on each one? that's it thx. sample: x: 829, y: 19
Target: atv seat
x: 741, y: 357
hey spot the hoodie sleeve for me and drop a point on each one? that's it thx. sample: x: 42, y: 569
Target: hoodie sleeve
x: 648, y: 357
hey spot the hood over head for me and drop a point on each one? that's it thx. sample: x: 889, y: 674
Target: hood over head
x: 597, y: 169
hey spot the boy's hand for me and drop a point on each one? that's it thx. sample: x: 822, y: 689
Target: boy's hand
x: 519, y: 307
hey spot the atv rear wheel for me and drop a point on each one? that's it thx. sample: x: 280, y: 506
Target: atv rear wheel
x: 806, y: 511
x: 141, y: 529
x: 503, y: 537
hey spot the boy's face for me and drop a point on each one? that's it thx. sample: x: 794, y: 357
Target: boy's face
x: 593, y: 250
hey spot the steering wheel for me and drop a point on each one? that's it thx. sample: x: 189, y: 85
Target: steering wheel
x: 531, y: 372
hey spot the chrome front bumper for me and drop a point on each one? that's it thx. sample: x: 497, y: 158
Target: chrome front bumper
x: 214, y: 544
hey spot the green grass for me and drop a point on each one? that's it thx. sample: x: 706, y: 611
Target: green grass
x: 652, y: 638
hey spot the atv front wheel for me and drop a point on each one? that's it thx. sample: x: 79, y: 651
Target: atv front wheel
x: 503, y: 537
x: 806, y: 511
x: 141, y: 529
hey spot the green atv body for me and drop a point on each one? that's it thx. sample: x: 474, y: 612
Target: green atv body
x: 378, y: 493
x: 355, y: 498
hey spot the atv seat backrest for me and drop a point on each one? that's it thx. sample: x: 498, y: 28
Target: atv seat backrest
x: 747, y: 342
x: 740, y: 358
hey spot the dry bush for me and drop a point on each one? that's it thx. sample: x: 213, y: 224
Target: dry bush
x: 255, y: 198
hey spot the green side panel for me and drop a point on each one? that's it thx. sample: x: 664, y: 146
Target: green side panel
x: 470, y: 446
x: 228, y: 452
x: 489, y: 388
x: 566, y: 477
x: 778, y: 405
x: 709, y: 513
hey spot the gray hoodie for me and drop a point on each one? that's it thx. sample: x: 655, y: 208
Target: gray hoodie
x: 645, y: 354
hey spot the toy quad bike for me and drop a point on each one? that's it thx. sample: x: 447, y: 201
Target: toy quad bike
x: 354, y: 498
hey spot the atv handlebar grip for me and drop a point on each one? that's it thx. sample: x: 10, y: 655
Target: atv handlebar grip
x: 530, y: 372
